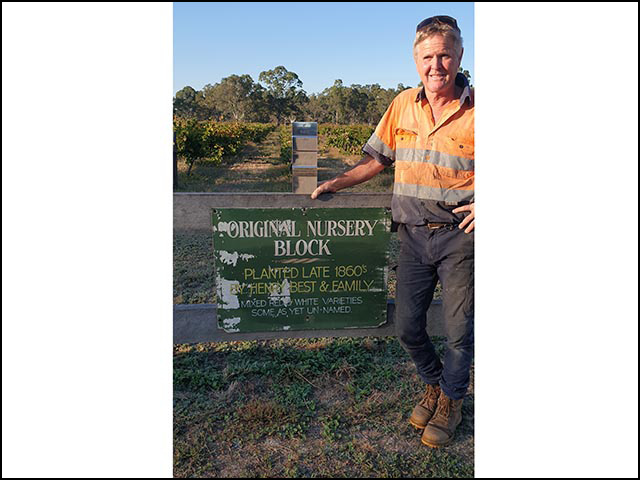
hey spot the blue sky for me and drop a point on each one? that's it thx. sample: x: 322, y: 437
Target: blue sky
x: 360, y: 43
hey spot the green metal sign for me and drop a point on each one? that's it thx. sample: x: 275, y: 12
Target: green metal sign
x: 300, y: 269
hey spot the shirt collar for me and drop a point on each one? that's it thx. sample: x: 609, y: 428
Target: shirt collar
x: 461, y: 81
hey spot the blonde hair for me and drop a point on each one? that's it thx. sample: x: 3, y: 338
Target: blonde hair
x: 439, y: 28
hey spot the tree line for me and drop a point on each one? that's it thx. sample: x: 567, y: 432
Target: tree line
x: 278, y: 96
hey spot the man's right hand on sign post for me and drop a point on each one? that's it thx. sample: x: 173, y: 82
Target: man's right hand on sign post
x: 323, y: 188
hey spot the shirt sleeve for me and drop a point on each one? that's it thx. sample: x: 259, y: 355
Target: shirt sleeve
x: 381, y: 145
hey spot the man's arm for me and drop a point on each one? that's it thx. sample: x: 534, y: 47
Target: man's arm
x: 364, y: 170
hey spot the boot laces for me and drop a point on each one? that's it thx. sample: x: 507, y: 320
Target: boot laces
x: 430, y: 394
x: 444, y: 407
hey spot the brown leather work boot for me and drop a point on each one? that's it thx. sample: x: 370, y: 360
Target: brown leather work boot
x: 442, y: 426
x: 425, y: 409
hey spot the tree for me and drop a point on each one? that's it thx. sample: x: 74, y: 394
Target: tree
x: 317, y: 109
x: 238, y: 98
x: 232, y: 97
x: 260, y: 110
x: 379, y: 100
x: 336, y: 100
x: 184, y: 103
x: 284, y: 93
x: 401, y: 88
x: 356, y: 103
x: 206, y: 103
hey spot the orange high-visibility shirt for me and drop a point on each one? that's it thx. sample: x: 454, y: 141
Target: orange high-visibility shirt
x: 434, y: 164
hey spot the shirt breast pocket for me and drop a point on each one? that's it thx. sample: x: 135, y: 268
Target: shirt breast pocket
x: 460, y: 147
x: 405, y: 138
x: 406, y: 143
x: 453, y: 158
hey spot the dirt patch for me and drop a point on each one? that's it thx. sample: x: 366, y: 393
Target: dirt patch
x: 256, y: 417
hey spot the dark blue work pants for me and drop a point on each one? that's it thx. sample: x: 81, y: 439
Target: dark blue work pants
x: 425, y: 256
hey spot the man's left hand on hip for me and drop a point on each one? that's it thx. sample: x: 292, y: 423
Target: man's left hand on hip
x: 469, y: 221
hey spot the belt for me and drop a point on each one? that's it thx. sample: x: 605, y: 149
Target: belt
x: 435, y: 226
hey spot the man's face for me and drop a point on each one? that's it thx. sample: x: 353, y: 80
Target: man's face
x: 437, y: 62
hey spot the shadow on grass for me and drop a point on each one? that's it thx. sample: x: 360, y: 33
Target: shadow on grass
x: 235, y: 176
x: 306, y: 407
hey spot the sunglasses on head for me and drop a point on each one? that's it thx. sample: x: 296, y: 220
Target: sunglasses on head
x: 438, y: 18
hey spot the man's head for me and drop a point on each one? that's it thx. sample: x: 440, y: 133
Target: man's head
x: 437, y: 51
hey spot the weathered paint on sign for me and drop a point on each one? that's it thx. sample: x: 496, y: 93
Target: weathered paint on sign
x: 300, y: 269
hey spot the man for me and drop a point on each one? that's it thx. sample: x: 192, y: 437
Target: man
x: 428, y: 133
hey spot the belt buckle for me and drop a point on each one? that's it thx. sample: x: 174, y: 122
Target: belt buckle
x: 436, y: 226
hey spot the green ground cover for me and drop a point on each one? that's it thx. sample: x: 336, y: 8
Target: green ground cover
x: 306, y: 408
x: 295, y: 407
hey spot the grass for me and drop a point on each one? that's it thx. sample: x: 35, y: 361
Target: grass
x: 295, y: 407
x: 257, y: 169
x: 193, y: 279
x: 306, y: 408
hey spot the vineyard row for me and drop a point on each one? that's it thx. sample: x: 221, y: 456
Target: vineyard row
x: 196, y: 140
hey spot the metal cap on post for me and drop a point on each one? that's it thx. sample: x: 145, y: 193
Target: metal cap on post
x: 304, y: 156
